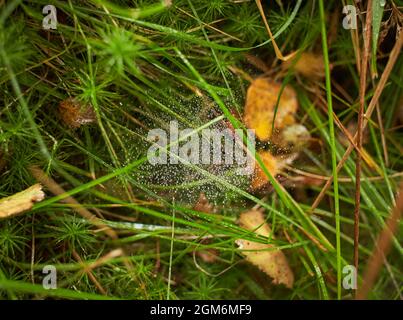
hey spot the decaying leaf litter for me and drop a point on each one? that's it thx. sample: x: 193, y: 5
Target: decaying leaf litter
x: 21, y: 202
x: 93, y: 130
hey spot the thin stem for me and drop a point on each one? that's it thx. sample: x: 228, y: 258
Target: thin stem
x: 332, y: 146
x: 363, y: 83
x: 171, y: 252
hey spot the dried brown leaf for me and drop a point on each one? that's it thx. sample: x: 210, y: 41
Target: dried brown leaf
x: 272, y: 262
x: 273, y: 165
x: 21, y: 201
x: 309, y: 65
x: 261, y: 100
x: 75, y: 114
x: 203, y: 205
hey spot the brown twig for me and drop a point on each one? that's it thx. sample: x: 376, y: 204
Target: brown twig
x: 341, y: 179
x: 340, y: 125
x: 277, y: 51
x: 104, y: 259
x: 378, y: 91
x: 89, y: 273
x: 56, y: 189
x: 363, y: 85
x: 383, y: 138
x: 382, y: 247
x: 158, y: 259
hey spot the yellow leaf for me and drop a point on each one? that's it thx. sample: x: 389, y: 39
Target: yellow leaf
x: 261, y: 100
x: 272, y: 164
x: 308, y: 65
x: 21, y: 201
x: 266, y: 257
